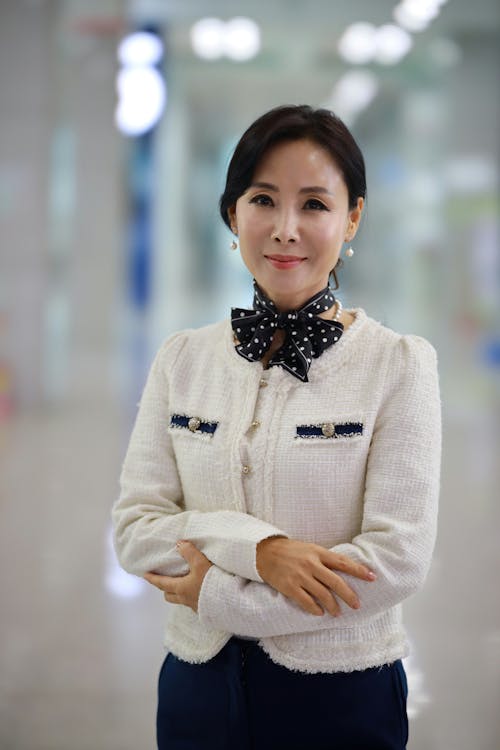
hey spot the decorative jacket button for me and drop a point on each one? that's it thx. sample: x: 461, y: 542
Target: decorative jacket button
x: 328, y: 429
x: 245, y: 469
x: 194, y: 424
x: 255, y: 424
x: 262, y: 383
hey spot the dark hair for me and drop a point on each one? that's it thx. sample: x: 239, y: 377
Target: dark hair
x: 293, y: 123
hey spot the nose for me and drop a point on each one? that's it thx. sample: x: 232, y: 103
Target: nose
x: 286, y: 227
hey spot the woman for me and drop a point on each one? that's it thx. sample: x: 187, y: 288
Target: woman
x: 282, y: 477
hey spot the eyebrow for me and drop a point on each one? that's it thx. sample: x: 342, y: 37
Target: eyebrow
x: 275, y: 189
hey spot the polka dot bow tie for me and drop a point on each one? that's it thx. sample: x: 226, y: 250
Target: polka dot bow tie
x: 306, y: 335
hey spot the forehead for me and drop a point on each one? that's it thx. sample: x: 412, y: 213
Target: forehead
x: 299, y: 158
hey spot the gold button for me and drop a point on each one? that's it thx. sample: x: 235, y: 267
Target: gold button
x: 245, y: 469
x: 328, y: 429
x: 194, y: 424
x: 255, y: 424
x: 262, y: 383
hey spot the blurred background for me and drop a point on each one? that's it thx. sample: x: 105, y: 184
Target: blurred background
x: 117, y: 121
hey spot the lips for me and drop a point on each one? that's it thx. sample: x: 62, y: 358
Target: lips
x: 284, y: 261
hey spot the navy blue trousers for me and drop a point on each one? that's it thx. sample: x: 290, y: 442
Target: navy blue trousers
x: 242, y: 700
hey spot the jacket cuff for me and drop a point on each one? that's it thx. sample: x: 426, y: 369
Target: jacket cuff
x: 241, y: 558
x: 211, y: 597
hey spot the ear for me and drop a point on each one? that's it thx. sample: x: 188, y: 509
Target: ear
x: 231, y: 212
x: 354, y: 219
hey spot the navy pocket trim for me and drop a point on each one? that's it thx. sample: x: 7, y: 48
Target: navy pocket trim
x: 193, y: 424
x: 328, y: 430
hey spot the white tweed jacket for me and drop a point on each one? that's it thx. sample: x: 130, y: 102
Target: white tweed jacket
x: 225, y: 453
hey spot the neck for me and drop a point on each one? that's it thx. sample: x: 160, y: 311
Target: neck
x: 292, y: 301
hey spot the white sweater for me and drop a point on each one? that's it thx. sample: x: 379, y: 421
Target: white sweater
x: 259, y: 458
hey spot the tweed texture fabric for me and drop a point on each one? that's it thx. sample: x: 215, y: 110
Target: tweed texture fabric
x: 225, y: 453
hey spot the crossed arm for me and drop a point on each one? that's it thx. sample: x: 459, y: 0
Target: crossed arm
x: 288, y: 581
x: 302, y: 572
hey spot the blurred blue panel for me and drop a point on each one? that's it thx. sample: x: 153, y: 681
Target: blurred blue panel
x: 490, y: 352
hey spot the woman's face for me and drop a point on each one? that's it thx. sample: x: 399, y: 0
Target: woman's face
x: 292, y: 221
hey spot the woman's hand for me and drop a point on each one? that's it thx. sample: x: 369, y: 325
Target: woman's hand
x: 304, y: 572
x: 184, y: 589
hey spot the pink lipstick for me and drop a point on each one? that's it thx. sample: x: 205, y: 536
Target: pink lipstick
x: 284, y: 261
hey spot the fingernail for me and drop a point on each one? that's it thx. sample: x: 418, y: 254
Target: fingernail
x: 356, y: 605
x: 179, y: 543
x: 371, y: 575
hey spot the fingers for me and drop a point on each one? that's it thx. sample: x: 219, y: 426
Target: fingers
x: 171, y: 588
x: 338, y: 586
x: 326, y: 583
x: 175, y: 590
x: 312, y: 596
x: 166, y: 584
x: 316, y: 597
x: 189, y: 552
x: 335, y: 561
x: 161, y: 582
x: 193, y: 557
x: 324, y: 597
x: 306, y: 602
x: 172, y: 598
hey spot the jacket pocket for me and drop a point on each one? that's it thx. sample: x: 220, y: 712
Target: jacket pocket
x: 193, y: 424
x: 329, y: 431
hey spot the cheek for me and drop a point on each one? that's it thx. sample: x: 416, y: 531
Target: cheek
x: 248, y: 241
x: 249, y: 252
x: 329, y: 239
x: 252, y: 233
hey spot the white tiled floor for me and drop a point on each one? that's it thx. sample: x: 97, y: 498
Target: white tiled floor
x: 78, y: 665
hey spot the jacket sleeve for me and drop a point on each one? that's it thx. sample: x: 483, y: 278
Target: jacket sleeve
x: 148, y: 517
x: 399, y: 523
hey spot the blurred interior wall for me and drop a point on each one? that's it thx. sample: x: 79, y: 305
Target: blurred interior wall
x: 25, y: 132
x: 60, y: 203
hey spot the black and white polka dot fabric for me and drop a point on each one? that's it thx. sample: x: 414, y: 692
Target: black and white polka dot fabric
x: 307, y: 335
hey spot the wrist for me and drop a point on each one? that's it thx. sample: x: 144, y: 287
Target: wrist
x: 263, y: 547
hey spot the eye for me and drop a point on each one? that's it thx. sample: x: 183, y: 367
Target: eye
x: 262, y: 200
x: 315, y: 204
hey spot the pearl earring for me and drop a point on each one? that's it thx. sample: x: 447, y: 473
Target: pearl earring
x: 349, y: 252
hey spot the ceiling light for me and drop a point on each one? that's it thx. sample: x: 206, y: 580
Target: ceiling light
x: 238, y: 39
x: 357, y: 44
x: 241, y: 39
x: 141, y: 99
x: 140, y: 48
x: 428, y: 9
x: 353, y: 92
x: 416, y: 15
x: 393, y: 43
x: 207, y: 38
x: 408, y: 21
x: 357, y: 88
